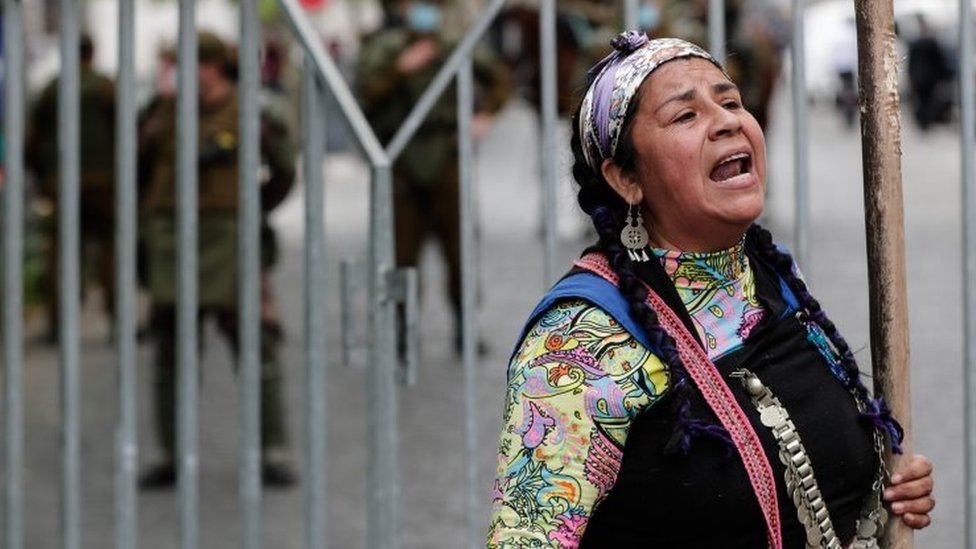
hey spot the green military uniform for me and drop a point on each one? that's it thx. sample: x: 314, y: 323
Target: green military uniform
x: 97, y: 178
x: 218, y: 240
x: 426, y: 176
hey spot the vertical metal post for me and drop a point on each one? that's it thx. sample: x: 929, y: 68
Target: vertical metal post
x: 800, y: 139
x: 630, y: 14
x: 716, y: 29
x: 548, y: 104
x: 13, y: 257
x: 384, y: 482
x: 249, y: 262
x: 186, y: 266
x: 968, y: 214
x: 315, y: 420
x: 351, y: 275
x: 69, y: 287
x: 884, y: 223
x: 472, y: 496
x: 126, y: 442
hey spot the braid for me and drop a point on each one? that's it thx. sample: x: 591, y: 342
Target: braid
x: 877, y: 410
x: 606, y: 208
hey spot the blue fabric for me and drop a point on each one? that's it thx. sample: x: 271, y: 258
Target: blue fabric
x: 596, y: 290
x: 593, y: 288
x: 792, y: 303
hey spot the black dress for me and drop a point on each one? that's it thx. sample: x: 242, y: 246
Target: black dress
x: 703, y: 499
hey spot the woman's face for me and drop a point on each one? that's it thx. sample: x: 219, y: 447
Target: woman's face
x: 700, y: 158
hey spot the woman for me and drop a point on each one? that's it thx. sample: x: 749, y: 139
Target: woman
x: 681, y: 387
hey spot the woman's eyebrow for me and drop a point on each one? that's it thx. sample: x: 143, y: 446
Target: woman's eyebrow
x: 723, y: 87
x: 682, y: 97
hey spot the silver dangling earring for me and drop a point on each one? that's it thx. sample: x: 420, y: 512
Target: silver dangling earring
x: 634, y: 236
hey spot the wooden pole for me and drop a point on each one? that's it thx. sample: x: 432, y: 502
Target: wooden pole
x: 884, y: 222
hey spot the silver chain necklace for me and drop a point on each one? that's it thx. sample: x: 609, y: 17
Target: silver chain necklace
x: 801, y: 485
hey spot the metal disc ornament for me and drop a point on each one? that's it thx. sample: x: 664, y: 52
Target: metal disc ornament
x: 634, y: 237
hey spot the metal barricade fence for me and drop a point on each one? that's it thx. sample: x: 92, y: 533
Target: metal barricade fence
x: 386, y: 285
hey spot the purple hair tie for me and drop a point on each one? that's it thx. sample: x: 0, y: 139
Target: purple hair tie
x: 629, y: 41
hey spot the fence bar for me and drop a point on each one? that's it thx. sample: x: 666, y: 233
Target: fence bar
x: 630, y: 14
x: 126, y: 441
x: 384, y: 482
x: 69, y: 159
x: 968, y: 213
x: 469, y: 323
x: 334, y: 81
x: 884, y: 222
x: 716, y: 29
x: 249, y: 261
x: 351, y: 275
x: 315, y: 421
x: 801, y: 217
x: 13, y: 257
x: 186, y: 265
x: 548, y: 103
x: 442, y: 79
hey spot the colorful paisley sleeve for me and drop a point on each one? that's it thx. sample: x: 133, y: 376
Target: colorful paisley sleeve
x: 574, y: 386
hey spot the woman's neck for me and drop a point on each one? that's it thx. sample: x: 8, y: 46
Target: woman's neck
x: 718, y: 291
x: 700, y: 270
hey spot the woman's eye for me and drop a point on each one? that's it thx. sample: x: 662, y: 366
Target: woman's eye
x: 685, y: 116
x: 731, y: 104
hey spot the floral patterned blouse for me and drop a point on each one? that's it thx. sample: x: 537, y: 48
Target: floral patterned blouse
x: 575, y: 384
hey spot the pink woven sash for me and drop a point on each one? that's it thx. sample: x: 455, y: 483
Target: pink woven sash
x: 718, y: 396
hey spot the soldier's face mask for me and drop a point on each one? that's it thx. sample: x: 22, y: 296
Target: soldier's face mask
x: 648, y: 16
x: 424, y: 17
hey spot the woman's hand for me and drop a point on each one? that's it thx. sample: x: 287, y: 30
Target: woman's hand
x: 910, y: 493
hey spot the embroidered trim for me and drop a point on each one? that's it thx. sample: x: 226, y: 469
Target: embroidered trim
x: 718, y: 396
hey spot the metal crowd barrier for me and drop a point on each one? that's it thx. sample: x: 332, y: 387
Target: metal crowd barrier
x: 967, y: 94
x: 321, y: 77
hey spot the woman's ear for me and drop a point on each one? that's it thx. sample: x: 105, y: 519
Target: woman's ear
x: 622, y: 182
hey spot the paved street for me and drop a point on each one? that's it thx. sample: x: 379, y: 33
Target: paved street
x: 430, y: 415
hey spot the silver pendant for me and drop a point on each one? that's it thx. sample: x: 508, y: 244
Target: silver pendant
x: 881, y: 515
x: 866, y: 528
x: 772, y: 416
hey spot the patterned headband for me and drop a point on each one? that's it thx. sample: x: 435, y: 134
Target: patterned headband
x: 614, y: 81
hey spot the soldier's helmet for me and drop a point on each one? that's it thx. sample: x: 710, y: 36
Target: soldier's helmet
x: 211, y: 48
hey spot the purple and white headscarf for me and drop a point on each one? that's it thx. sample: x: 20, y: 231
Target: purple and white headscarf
x: 614, y: 81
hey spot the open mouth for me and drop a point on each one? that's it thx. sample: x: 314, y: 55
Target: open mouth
x: 733, y: 166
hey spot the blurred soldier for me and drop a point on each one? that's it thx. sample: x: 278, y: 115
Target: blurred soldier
x: 752, y: 55
x: 843, y: 57
x: 928, y: 71
x: 97, y: 157
x: 218, y: 208
x: 396, y: 65
x: 581, y: 26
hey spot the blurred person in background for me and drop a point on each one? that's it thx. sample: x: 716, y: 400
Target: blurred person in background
x: 929, y: 73
x: 396, y: 65
x: 579, y: 25
x: 752, y: 54
x: 843, y: 58
x: 97, y: 180
x: 681, y: 387
x: 218, y: 239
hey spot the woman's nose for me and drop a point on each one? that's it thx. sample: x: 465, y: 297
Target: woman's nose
x: 726, y: 122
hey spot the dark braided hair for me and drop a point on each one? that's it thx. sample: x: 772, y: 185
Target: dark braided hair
x: 876, y: 410
x: 607, y: 210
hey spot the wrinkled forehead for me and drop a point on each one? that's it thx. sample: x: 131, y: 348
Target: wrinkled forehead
x: 685, y: 75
